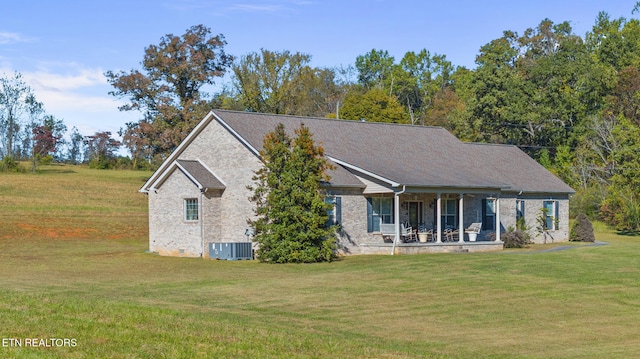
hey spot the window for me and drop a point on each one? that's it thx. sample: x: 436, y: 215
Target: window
x: 520, y: 221
x: 191, y: 209
x: 335, y: 213
x: 489, y: 214
x: 550, y: 213
x: 519, y: 209
x: 449, y: 213
x: 379, y: 210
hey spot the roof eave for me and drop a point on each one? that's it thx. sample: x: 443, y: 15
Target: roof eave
x: 176, y: 153
x: 331, y: 185
x: 363, y: 171
x: 221, y: 188
x: 188, y: 174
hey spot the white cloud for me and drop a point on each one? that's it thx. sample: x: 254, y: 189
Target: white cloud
x: 70, y: 88
x: 60, y: 82
x: 80, y: 78
x: 81, y: 89
x: 55, y: 101
x: 77, y: 95
x: 12, y: 37
x: 245, y: 6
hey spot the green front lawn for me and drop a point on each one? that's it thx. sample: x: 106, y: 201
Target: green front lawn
x: 73, y: 266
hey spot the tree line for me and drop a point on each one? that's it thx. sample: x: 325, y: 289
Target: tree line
x: 571, y: 102
x: 29, y: 133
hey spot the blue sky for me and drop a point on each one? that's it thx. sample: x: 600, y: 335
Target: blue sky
x: 63, y: 48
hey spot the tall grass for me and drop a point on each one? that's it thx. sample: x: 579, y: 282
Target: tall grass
x: 73, y: 265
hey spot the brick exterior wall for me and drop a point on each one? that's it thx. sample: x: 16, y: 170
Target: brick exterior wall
x: 224, y: 213
x: 169, y: 233
x: 532, y: 211
x: 354, y: 222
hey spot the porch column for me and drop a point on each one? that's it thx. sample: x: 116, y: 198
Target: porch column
x: 439, y: 219
x: 497, y: 219
x: 396, y: 218
x: 461, y: 219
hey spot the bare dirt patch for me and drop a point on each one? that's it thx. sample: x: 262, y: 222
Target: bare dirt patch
x: 56, y: 233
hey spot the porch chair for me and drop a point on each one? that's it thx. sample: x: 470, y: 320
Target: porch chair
x: 473, y: 231
x: 388, y: 232
x: 450, y: 235
x: 407, y: 231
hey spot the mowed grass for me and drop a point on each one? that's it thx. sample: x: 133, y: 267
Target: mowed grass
x: 73, y: 264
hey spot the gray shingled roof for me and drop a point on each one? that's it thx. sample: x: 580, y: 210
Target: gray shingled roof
x: 416, y: 156
x: 341, y: 177
x: 203, y: 177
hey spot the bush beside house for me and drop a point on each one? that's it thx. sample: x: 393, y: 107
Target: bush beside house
x: 582, y: 230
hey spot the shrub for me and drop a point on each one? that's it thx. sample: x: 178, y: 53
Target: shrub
x: 582, y: 230
x: 515, y: 238
x: 621, y: 208
x: 9, y: 164
x: 45, y: 160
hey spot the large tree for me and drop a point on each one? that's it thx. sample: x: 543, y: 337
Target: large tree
x: 615, y: 42
x: 75, y: 147
x: 168, y: 91
x: 625, y: 97
x: 621, y: 206
x: 374, y: 68
x: 283, y: 82
x: 46, y: 139
x: 414, y: 82
x: 536, y: 90
x: 498, y: 90
x: 417, y: 80
x: 18, y: 107
x: 374, y: 105
x: 291, y: 211
x: 101, y: 149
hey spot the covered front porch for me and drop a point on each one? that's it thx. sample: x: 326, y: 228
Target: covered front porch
x: 428, y: 221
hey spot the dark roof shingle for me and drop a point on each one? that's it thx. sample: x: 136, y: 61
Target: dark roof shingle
x: 408, y: 155
x: 203, y: 177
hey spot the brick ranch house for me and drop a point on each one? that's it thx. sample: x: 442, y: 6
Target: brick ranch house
x: 387, y: 177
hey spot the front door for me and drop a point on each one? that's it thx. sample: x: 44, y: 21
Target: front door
x: 415, y: 214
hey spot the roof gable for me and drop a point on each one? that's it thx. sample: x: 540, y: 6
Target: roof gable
x: 200, y: 174
x: 194, y: 170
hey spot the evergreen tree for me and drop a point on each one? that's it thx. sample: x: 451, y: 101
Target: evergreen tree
x: 291, y: 224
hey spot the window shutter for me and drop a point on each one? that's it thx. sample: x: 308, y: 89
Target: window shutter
x: 369, y: 215
x: 435, y: 212
x: 393, y: 210
x: 485, y: 225
x: 557, y: 215
x: 338, y: 210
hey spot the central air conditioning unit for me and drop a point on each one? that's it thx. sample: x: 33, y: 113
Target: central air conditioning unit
x: 231, y: 250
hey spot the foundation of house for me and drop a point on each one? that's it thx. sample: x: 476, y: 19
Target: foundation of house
x: 418, y: 248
